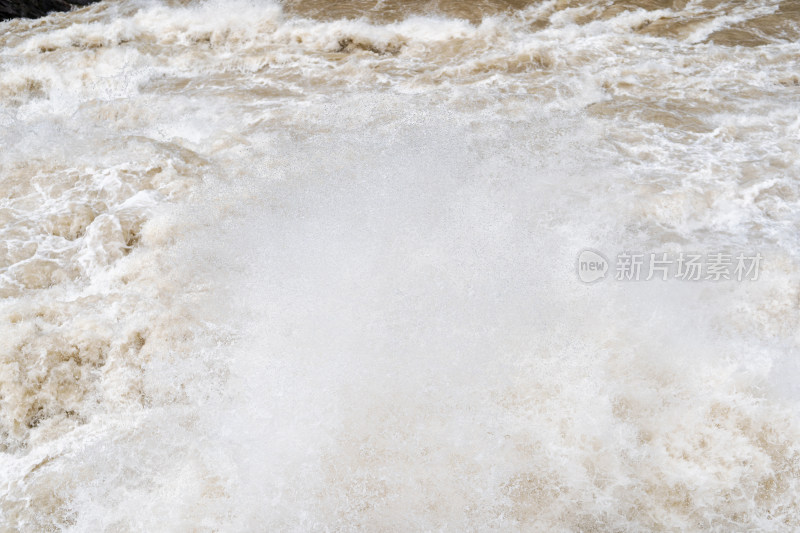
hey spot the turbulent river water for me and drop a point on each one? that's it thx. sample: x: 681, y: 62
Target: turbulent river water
x: 311, y: 266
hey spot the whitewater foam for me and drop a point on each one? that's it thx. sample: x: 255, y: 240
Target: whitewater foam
x: 263, y: 270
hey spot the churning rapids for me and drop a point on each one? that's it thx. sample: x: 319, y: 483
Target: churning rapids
x: 311, y: 266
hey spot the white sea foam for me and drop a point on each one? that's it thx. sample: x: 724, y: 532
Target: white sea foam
x: 261, y: 271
